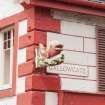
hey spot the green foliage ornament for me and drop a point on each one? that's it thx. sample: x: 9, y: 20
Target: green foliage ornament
x: 56, y: 60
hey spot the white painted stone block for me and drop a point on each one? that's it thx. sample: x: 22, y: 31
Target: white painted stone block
x: 51, y: 98
x: 57, y: 14
x: 80, y: 58
x: 90, y: 45
x: 69, y: 42
x: 77, y: 29
x: 21, y: 56
x: 8, y: 101
x: 92, y: 73
x: 91, y: 59
x: 23, y: 27
x: 78, y: 85
x: 20, y: 85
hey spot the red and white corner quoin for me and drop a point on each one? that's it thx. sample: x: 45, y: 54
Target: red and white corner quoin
x: 79, y: 26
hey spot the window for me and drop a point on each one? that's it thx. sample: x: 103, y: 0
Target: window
x: 6, y: 57
x: 101, y: 58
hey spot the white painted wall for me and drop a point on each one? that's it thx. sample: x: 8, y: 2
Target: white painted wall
x: 79, y: 39
x: 90, y: 45
x: 78, y: 85
x: 74, y: 51
x: 23, y: 27
x: 8, y: 101
x: 20, y: 85
x: 76, y: 54
x: 21, y: 56
x: 78, y: 18
x: 9, y: 8
x: 69, y: 42
x: 78, y: 29
x: 80, y: 58
x: 51, y: 98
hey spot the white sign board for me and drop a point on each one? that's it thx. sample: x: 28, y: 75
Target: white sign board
x: 69, y: 69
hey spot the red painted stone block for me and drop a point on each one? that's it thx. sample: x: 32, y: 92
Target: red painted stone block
x: 40, y: 37
x: 38, y: 98
x: 24, y: 98
x: 31, y: 98
x: 30, y: 53
x: 26, y: 40
x: 44, y: 21
x: 83, y: 99
x: 26, y: 68
x: 42, y: 82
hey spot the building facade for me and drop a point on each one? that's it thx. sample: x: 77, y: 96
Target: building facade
x: 79, y: 26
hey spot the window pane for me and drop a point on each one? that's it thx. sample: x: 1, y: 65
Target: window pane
x: 7, y: 66
x: 9, y: 43
x: 5, y: 45
x: 5, y: 35
x: 9, y: 34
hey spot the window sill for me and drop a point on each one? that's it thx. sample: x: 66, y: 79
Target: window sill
x: 5, y: 86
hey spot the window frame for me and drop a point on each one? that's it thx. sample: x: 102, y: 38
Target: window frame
x: 8, y: 85
x: 10, y: 89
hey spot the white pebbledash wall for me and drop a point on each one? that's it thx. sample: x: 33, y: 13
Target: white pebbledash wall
x: 9, y: 8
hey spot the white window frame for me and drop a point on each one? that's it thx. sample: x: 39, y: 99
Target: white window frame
x: 8, y: 85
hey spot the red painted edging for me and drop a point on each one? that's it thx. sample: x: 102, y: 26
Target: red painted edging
x: 69, y: 7
x: 86, y: 3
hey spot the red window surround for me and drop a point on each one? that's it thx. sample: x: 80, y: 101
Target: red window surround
x: 11, y: 91
x: 13, y: 20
